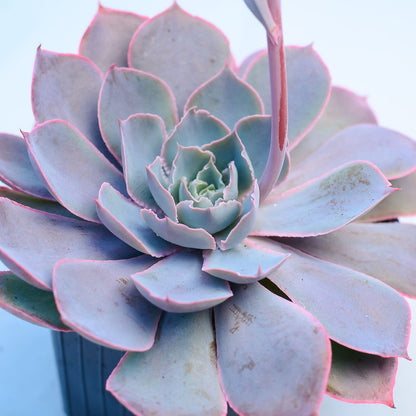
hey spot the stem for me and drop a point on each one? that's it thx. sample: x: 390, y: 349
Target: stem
x: 277, y: 69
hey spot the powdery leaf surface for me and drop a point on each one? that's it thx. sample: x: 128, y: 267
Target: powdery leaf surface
x: 178, y: 376
x: 259, y: 344
x: 98, y: 300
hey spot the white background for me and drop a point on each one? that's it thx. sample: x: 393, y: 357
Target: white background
x: 369, y: 47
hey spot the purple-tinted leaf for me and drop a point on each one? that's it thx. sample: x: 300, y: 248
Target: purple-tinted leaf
x: 29, y: 303
x: 67, y: 87
x: 393, y: 153
x: 308, y: 85
x: 399, y: 204
x: 230, y: 149
x: 260, y: 259
x: 126, y: 92
x: 384, y: 251
x: 242, y: 69
x: 227, y: 97
x: 159, y: 42
x: 25, y: 231
x: 40, y: 204
x: 176, y: 233
x: 324, y: 204
x: 107, y: 39
x: 123, y: 219
x: 264, y: 340
x: 236, y: 233
x: 98, y: 300
x: 178, y: 376
x: 72, y: 168
x: 195, y: 129
x: 142, y: 138
x: 177, y: 284
x: 361, y: 312
x: 213, y: 219
x: 16, y: 169
x: 361, y: 378
x: 344, y: 109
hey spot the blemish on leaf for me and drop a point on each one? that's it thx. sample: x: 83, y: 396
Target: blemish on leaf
x: 188, y: 368
x: 213, y: 353
x: 240, y: 317
x: 248, y: 366
x: 122, y: 280
x: 131, y: 300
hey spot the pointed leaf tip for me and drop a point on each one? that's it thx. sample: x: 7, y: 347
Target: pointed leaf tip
x: 226, y: 97
x: 106, y: 40
x: 202, y: 47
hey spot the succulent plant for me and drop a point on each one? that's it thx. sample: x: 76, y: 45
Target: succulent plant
x: 224, y: 225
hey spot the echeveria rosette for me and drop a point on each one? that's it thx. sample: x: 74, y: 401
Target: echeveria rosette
x: 160, y: 199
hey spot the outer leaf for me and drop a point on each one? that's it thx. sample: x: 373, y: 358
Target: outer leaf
x: 67, y: 87
x: 167, y: 379
x: 242, y: 69
x: 29, y: 303
x: 123, y: 219
x: 16, y: 169
x: 126, y: 92
x: 361, y: 378
x: 308, y: 85
x: 361, y: 313
x: 98, y: 300
x: 73, y: 169
x: 260, y: 259
x: 399, y: 204
x: 40, y: 204
x: 264, y: 340
x: 25, y: 230
x: 344, y: 109
x: 384, y: 251
x: 195, y: 129
x: 177, y: 284
x: 176, y: 233
x: 393, y: 153
x: 142, y: 138
x: 226, y: 97
x: 107, y: 39
x: 202, y: 49
x: 325, y: 204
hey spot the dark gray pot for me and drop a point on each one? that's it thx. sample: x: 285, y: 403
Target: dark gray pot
x: 83, y: 370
